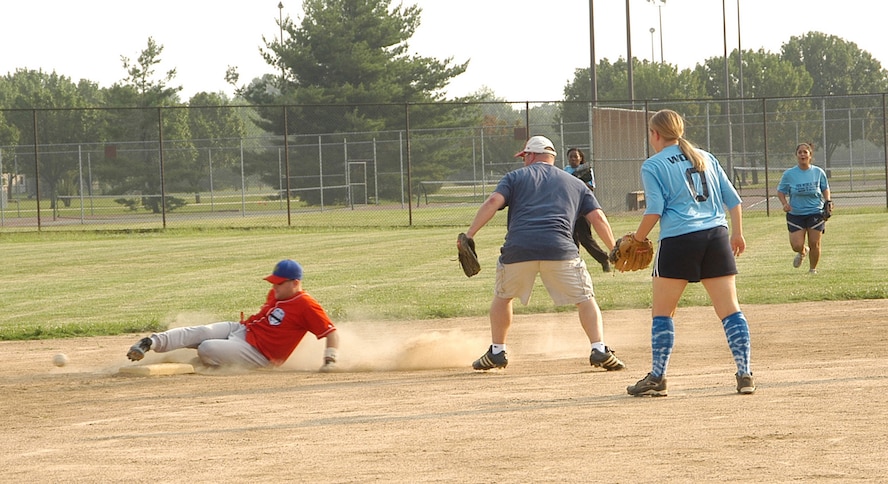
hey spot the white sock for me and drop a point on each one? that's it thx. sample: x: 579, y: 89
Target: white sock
x: 497, y: 349
x: 598, y: 346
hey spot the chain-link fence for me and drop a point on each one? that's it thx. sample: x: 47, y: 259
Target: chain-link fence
x: 398, y: 165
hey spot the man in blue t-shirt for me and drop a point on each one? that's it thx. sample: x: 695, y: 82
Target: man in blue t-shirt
x: 543, y: 203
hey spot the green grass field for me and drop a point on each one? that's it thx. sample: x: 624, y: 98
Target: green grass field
x: 79, y: 283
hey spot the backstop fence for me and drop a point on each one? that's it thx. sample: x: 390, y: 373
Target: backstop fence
x: 432, y: 164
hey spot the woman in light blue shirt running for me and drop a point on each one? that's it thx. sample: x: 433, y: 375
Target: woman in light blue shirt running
x: 808, y: 191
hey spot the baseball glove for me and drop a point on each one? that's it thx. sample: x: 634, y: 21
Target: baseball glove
x: 468, y: 258
x: 629, y: 254
x: 584, y: 172
x: 827, y: 210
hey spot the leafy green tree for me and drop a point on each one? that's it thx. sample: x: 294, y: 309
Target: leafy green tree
x: 838, y: 68
x: 500, y: 125
x: 133, y: 168
x: 342, y: 68
x: 9, y: 134
x: 651, y: 81
x: 58, y: 130
x: 765, y: 75
x: 217, y: 130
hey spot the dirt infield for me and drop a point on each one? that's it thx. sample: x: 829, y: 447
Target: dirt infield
x: 407, y: 407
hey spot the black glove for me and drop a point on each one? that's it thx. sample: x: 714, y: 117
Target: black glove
x: 827, y: 210
x: 468, y: 258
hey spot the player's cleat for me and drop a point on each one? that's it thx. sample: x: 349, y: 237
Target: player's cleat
x: 607, y: 360
x: 799, y: 258
x: 649, y: 386
x: 490, y: 361
x: 812, y: 271
x: 745, y: 384
x: 329, y: 365
x: 138, y: 350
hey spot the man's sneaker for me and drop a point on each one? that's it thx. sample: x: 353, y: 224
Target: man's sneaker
x: 812, y: 271
x: 799, y: 258
x: 490, y: 361
x: 607, y: 360
x: 648, y: 386
x: 745, y: 384
x: 138, y: 350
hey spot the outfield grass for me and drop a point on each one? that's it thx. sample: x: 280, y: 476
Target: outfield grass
x: 59, y: 284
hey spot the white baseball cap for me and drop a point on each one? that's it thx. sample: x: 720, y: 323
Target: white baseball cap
x: 537, y: 144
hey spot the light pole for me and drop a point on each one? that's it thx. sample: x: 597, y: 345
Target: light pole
x: 593, y: 77
x: 727, y: 91
x: 281, y: 55
x: 660, y: 14
x: 629, y: 55
x: 739, y: 52
x: 652, y: 45
x: 593, y: 74
x: 742, y: 105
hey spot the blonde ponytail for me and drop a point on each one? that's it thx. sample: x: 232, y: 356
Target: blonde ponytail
x: 693, y: 155
x: 670, y: 125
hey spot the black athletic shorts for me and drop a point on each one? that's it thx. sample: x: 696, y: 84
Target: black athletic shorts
x: 698, y: 255
x: 801, y: 222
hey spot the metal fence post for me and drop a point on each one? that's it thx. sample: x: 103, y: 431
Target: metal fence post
x: 162, y: 177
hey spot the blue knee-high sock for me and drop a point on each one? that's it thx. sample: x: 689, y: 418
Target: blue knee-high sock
x: 737, y: 332
x: 662, y: 341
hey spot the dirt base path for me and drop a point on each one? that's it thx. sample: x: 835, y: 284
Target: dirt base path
x: 407, y: 407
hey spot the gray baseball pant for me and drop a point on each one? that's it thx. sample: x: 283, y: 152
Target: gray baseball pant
x: 217, y: 344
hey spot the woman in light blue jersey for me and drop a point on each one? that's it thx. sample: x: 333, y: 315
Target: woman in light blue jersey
x: 687, y: 191
x: 808, y: 191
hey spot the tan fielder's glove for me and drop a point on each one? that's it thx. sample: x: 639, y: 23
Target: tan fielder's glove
x: 629, y: 254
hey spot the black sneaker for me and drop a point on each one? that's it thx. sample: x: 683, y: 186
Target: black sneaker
x: 490, y: 361
x: 745, y: 384
x: 607, y: 360
x: 648, y: 386
x: 137, y: 351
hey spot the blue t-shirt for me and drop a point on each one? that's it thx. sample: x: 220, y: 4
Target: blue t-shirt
x: 677, y: 193
x: 544, y: 202
x: 804, y: 189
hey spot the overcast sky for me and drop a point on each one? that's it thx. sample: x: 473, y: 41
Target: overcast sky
x: 521, y: 49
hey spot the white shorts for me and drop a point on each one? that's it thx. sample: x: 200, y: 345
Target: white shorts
x: 567, y: 281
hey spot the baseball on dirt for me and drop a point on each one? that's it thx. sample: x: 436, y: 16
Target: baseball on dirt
x: 60, y: 360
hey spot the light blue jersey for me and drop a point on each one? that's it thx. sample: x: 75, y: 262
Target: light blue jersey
x: 685, y: 201
x: 804, y: 189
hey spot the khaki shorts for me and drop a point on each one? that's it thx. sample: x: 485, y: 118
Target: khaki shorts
x: 567, y: 281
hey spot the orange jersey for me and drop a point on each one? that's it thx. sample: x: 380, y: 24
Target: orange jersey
x: 279, y: 326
